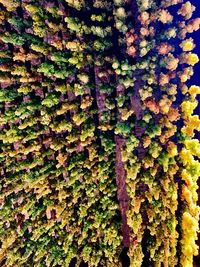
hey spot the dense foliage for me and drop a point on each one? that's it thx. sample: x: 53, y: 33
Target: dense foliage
x: 98, y: 147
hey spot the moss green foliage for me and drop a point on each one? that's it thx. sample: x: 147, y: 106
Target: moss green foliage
x: 95, y: 151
